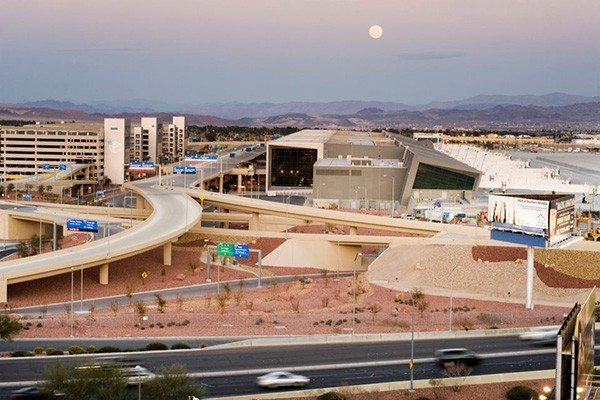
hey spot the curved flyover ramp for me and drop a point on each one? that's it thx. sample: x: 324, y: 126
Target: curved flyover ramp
x: 173, y: 214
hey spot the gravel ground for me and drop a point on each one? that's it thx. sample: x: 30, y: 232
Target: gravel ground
x: 322, y: 306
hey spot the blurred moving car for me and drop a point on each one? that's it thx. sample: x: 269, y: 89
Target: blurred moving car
x: 32, y: 392
x: 136, y: 375
x: 280, y: 379
x: 457, y: 356
x: 541, y: 335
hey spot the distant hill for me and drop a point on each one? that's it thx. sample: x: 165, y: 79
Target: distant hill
x: 237, y: 110
x: 477, y: 112
x: 43, y: 114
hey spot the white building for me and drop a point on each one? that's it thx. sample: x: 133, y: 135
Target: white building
x: 174, y: 138
x: 116, y: 148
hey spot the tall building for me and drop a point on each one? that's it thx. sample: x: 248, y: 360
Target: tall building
x: 117, y: 146
x: 173, y: 140
x: 145, y: 140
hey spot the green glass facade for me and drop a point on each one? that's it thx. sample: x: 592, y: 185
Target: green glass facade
x: 292, y: 167
x: 430, y: 177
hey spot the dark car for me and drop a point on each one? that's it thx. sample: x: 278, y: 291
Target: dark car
x: 457, y: 356
x: 33, y: 392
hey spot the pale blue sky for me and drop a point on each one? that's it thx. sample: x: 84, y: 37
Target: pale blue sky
x: 198, y: 51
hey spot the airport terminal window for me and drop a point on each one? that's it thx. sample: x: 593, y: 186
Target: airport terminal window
x: 430, y: 177
x: 292, y: 167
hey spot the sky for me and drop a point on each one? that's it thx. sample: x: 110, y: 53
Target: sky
x: 251, y: 51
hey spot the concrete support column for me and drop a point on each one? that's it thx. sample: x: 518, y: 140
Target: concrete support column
x: 253, y: 225
x: 103, y: 274
x: 3, y: 289
x: 354, y: 230
x: 529, y: 281
x: 239, y: 183
x: 139, y: 202
x: 167, y: 252
x: 221, y: 183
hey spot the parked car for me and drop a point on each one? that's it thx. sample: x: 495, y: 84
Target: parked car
x: 32, y: 392
x: 457, y: 356
x: 541, y: 335
x: 281, y: 378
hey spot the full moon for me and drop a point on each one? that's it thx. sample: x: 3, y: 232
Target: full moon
x: 375, y: 31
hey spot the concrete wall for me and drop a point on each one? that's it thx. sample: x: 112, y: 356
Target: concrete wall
x: 374, y: 183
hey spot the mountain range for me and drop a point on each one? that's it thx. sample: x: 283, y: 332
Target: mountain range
x: 551, y: 111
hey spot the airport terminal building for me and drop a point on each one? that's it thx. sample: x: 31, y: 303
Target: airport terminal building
x: 365, y: 170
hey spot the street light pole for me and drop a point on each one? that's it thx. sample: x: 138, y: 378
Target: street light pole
x: 451, y: 295
x: 412, y: 347
x: 72, y: 294
x: 354, y: 292
x: 139, y: 371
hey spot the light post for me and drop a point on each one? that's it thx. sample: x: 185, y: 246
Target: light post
x: 451, y: 294
x: 81, y: 295
x: 354, y: 291
x: 412, y: 346
x: 138, y: 369
x: 72, y: 287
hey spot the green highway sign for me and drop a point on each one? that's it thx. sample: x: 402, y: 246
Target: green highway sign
x: 225, y: 249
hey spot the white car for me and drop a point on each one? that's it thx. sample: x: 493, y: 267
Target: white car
x: 136, y: 375
x: 541, y: 335
x: 281, y: 378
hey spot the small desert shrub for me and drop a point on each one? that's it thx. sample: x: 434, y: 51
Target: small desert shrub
x: 76, y: 350
x: 51, y: 351
x: 39, y: 325
x: 464, y: 322
x: 295, y: 302
x: 90, y: 349
x: 21, y: 353
x: 488, y: 319
x: 331, y: 396
x: 521, y: 392
x: 108, y: 349
x: 38, y: 349
x: 179, y: 346
x: 156, y: 346
x: 396, y: 323
x: 259, y: 321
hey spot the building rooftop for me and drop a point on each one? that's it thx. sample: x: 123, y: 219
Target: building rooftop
x: 307, y: 136
x: 346, y: 162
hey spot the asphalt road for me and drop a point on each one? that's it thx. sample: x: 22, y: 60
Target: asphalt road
x: 231, y: 371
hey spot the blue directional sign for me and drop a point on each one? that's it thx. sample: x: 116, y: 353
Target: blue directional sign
x: 62, y: 167
x: 82, y: 225
x: 184, y: 170
x: 241, y: 250
x: 26, y: 196
x: 100, y: 193
x: 46, y: 167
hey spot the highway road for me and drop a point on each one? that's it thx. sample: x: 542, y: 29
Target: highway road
x: 232, y: 370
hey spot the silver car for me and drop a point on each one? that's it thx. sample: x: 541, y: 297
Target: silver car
x: 280, y: 379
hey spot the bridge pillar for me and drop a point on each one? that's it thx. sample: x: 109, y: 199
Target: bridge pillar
x: 239, y: 183
x: 253, y: 226
x: 103, y: 272
x: 353, y: 230
x: 221, y: 183
x: 139, y: 202
x: 3, y: 290
x: 167, y: 252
